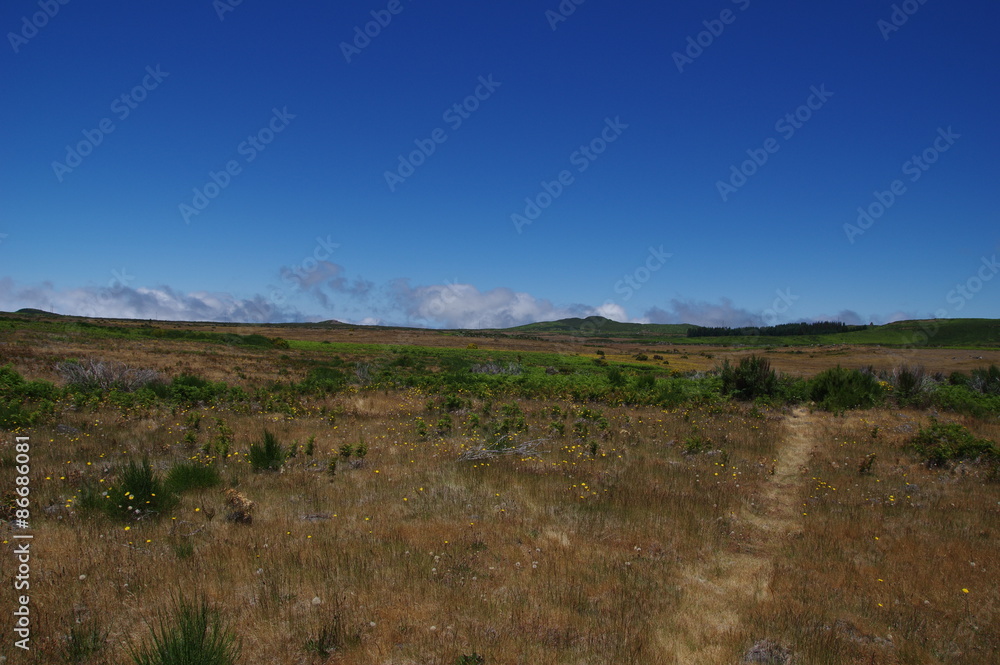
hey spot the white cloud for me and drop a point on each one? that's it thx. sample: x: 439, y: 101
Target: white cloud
x: 465, y: 306
x: 701, y: 313
x: 161, y: 303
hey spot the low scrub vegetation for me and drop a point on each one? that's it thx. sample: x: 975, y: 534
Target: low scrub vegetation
x: 570, y: 512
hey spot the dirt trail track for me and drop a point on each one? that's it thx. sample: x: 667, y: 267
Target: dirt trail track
x: 713, y: 590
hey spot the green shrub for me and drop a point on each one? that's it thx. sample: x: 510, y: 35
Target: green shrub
x: 324, y: 379
x: 194, y: 635
x: 187, y: 476
x: 963, y: 399
x: 615, y: 377
x: 14, y: 416
x: 839, y: 388
x: 268, y: 454
x: 191, y: 389
x: 941, y: 443
x: 645, y: 382
x: 750, y: 379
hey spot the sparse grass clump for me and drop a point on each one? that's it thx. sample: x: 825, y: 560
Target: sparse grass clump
x: 193, y: 635
x: 186, y: 476
x: 137, y: 492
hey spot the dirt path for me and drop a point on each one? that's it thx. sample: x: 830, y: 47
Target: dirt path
x: 715, y: 590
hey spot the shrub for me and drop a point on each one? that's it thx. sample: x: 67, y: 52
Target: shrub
x: 106, y: 376
x: 986, y: 380
x: 962, y: 399
x: 190, y: 389
x: 268, y: 454
x: 187, y: 476
x: 911, y: 384
x: 941, y: 443
x: 615, y: 377
x: 645, y: 382
x: 324, y: 379
x: 839, y: 388
x: 138, y: 492
x: 194, y: 635
x: 750, y: 379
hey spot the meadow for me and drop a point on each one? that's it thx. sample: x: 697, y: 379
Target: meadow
x: 334, y: 494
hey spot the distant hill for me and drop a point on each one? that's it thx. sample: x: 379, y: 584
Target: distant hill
x: 964, y: 333
x: 599, y: 326
x: 30, y: 311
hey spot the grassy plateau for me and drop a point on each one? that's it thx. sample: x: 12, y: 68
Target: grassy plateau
x: 562, y: 493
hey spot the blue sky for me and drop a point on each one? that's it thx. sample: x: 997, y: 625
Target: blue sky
x: 699, y: 162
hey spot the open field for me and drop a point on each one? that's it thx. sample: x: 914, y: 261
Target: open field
x: 521, y: 501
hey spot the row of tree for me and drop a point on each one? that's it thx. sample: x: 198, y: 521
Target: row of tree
x: 781, y: 330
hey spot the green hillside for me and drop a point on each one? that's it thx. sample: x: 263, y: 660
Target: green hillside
x: 599, y: 326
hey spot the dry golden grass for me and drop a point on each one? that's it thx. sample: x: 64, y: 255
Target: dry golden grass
x: 413, y: 556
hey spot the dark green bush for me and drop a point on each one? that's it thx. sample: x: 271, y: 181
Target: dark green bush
x: 750, y: 379
x: 940, y: 443
x: 268, y: 454
x: 839, y: 388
